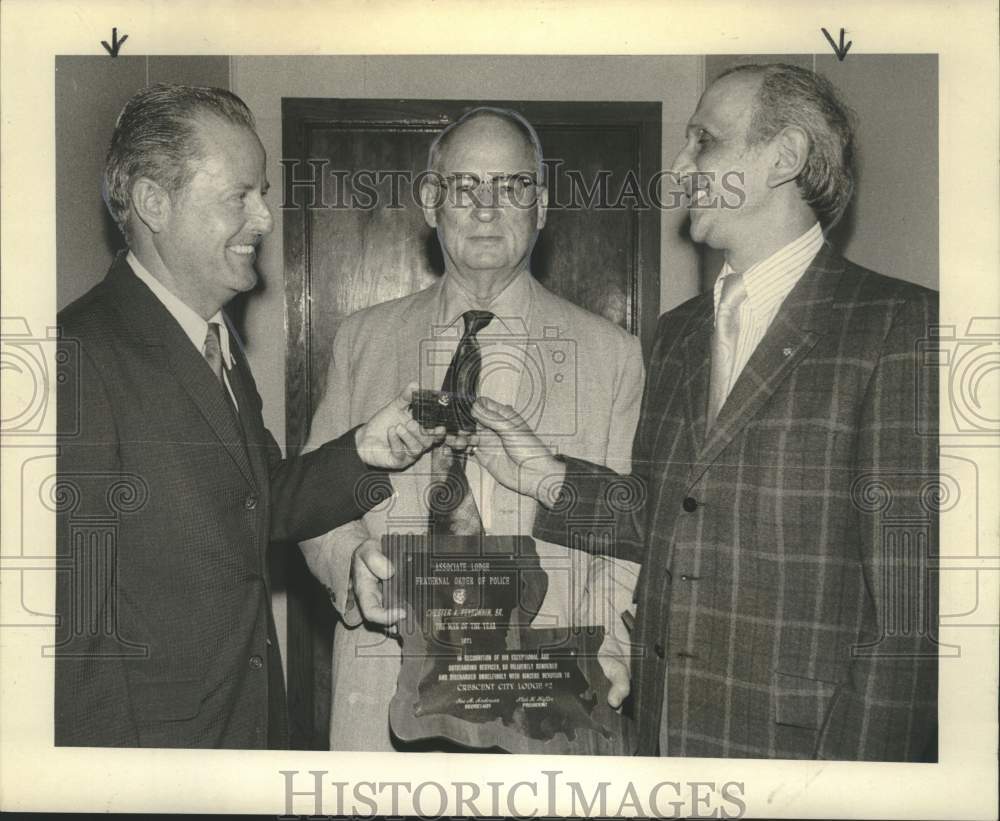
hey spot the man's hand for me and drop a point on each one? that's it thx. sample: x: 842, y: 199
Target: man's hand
x: 600, y: 606
x: 513, y: 454
x: 392, y: 438
x: 369, y: 568
x: 615, y: 663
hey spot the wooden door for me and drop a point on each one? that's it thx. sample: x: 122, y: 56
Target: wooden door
x: 354, y: 236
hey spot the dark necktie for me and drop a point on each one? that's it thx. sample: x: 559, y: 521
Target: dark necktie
x: 452, y: 507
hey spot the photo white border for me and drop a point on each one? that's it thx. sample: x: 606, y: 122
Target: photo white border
x: 36, y: 776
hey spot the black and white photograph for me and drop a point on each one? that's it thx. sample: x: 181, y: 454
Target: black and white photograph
x: 393, y: 419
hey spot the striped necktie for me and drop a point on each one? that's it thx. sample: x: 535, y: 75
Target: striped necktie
x: 213, y: 356
x: 213, y: 351
x: 452, y: 507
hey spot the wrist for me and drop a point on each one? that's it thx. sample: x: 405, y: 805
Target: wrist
x: 358, y: 438
x: 549, y: 482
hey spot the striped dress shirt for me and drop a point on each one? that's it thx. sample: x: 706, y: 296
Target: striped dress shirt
x: 767, y: 284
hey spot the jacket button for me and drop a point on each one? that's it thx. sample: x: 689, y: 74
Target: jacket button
x: 256, y: 662
x: 659, y: 650
x: 250, y: 502
x: 690, y: 504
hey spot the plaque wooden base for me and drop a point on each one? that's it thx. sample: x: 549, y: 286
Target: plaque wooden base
x: 474, y: 671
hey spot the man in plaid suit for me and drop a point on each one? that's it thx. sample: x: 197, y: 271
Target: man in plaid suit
x: 782, y: 495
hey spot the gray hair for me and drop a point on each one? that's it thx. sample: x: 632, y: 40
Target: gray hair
x: 506, y: 114
x: 793, y: 96
x: 156, y: 137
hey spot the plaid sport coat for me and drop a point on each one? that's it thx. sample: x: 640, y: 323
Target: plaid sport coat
x: 786, y: 606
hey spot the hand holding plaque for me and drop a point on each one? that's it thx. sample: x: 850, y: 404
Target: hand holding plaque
x: 474, y: 671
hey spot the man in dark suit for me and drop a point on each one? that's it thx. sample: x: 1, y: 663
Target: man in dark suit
x: 166, y: 636
x: 783, y: 610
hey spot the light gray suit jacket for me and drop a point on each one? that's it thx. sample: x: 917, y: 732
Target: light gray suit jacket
x: 580, y: 389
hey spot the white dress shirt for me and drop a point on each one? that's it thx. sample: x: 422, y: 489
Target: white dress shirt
x: 767, y: 284
x: 502, y: 345
x: 194, y: 327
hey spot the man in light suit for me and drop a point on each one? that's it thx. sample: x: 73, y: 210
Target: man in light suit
x: 577, y: 376
x: 170, y: 489
x: 779, y: 615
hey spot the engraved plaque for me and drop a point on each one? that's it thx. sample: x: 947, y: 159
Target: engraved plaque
x: 474, y: 671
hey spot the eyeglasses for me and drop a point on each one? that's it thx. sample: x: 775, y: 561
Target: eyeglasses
x: 496, y: 191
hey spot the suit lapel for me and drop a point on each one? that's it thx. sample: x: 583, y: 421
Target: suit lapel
x: 414, y: 337
x: 799, y: 324
x: 241, y: 378
x: 696, y: 352
x: 153, y: 323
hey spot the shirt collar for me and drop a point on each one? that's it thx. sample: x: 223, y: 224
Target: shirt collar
x: 510, y: 306
x: 194, y: 327
x: 769, y: 281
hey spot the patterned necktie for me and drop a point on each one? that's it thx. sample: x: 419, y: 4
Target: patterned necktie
x: 213, y: 356
x: 213, y: 351
x: 452, y: 507
x: 727, y: 334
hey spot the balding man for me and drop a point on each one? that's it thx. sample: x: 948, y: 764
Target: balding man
x: 484, y: 196
x: 779, y: 615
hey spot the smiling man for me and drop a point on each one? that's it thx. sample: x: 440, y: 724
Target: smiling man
x: 485, y: 198
x: 166, y: 636
x: 782, y: 610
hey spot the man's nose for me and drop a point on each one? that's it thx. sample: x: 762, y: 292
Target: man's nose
x: 684, y: 162
x: 261, y: 218
x: 485, y: 212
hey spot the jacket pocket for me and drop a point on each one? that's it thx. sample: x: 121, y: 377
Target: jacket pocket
x: 800, y: 701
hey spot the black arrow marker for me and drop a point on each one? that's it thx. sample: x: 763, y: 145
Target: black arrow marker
x: 116, y: 44
x: 841, y: 50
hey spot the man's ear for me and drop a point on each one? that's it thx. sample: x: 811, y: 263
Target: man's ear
x: 543, y: 207
x: 430, y: 199
x: 791, y: 150
x: 151, y: 203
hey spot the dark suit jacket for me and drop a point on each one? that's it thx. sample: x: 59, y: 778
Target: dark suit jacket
x: 784, y: 596
x: 165, y: 511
